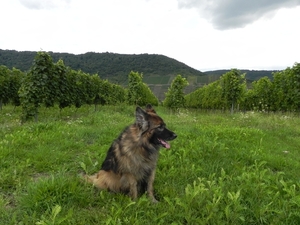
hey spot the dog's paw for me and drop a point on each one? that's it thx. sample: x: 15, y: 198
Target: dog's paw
x: 154, y: 200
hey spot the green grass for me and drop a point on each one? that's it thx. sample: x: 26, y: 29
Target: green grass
x: 222, y: 169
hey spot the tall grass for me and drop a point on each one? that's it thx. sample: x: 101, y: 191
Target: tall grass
x: 222, y: 169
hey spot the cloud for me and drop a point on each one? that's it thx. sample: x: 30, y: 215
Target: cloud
x: 230, y: 14
x: 44, y: 4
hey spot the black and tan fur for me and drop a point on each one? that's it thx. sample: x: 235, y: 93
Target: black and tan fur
x: 129, y: 166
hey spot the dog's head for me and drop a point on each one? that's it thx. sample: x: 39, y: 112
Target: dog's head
x: 153, y: 127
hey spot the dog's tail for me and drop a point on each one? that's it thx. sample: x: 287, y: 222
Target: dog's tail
x: 105, y: 180
x: 89, y: 179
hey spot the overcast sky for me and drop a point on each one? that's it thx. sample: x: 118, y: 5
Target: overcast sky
x: 204, y: 34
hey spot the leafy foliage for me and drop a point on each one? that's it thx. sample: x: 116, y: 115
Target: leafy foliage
x: 280, y: 94
x: 158, y: 70
x: 36, y: 87
x: 233, y: 86
x: 175, y: 95
x: 138, y: 92
x: 262, y: 94
x: 4, y: 79
x: 10, y: 81
x: 286, y: 89
x: 207, y: 97
x: 108, y: 93
x: 15, y: 81
x: 49, y: 83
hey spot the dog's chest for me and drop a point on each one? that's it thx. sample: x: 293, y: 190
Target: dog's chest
x: 139, y: 162
x: 143, y: 158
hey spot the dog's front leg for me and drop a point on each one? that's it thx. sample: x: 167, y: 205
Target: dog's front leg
x: 130, y: 180
x: 150, y: 189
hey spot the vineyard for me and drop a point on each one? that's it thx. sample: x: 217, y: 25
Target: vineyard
x: 49, y: 83
x: 224, y: 168
x: 282, y: 93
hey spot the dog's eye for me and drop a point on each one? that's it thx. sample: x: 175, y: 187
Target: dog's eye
x: 161, y: 127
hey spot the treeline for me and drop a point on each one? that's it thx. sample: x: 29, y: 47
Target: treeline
x: 282, y: 93
x: 48, y: 84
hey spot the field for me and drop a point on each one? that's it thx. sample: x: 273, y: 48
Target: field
x: 222, y: 169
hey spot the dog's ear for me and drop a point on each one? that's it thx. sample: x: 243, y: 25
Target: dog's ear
x: 150, y: 109
x: 141, y: 119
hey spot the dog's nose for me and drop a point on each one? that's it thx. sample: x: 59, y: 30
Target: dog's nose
x: 174, y: 135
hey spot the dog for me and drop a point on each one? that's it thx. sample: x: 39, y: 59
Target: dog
x: 130, y: 163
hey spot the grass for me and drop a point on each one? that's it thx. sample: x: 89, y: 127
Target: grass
x: 222, y: 169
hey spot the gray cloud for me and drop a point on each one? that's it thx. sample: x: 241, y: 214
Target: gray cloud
x: 44, y: 4
x: 230, y: 14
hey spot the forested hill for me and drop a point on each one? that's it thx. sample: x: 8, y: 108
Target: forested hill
x: 116, y: 67
x: 158, y: 70
x: 112, y: 66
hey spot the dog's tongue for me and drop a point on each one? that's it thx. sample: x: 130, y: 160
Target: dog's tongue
x: 164, y: 144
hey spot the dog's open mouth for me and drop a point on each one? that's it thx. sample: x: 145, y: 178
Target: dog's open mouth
x: 164, y: 143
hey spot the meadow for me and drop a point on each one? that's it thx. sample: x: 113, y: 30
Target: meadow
x: 221, y: 169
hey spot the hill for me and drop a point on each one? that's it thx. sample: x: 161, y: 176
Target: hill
x: 110, y: 66
x: 158, y: 70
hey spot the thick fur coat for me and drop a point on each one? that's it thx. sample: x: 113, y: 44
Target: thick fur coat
x: 130, y: 163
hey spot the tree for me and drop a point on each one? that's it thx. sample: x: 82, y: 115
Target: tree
x: 249, y: 101
x: 138, y: 92
x: 262, y: 93
x: 15, y: 79
x: 193, y: 99
x: 233, y: 86
x: 105, y: 92
x: 286, y: 89
x: 119, y: 94
x: 296, y: 70
x: 207, y: 97
x: 4, y: 85
x: 213, y: 96
x: 278, y: 91
x: 37, y: 87
x: 64, y: 96
x: 77, y: 83
x: 175, y: 95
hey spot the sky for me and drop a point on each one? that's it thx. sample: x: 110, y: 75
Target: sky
x: 203, y: 34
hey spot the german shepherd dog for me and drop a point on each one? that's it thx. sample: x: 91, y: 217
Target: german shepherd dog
x: 129, y: 166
